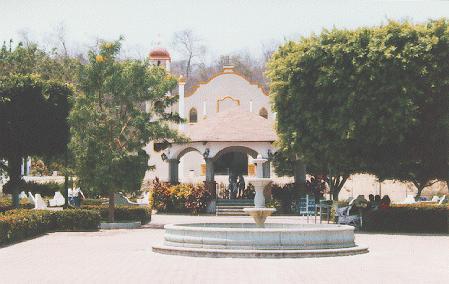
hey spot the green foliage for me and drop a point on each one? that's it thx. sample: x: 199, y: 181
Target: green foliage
x: 76, y: 220
x: 44, y: 189
x: 367, y: 100
x: 109, y: 126
x: 179, y: 198
x: 91, y: 201
x: 249, y: 192
x: 17, y: 225
x: 123, y: 213
x: 6, y: 204
x: 30, y: 59
x: 285, y: 196
x: 33, y: 121
x: 421, y: 218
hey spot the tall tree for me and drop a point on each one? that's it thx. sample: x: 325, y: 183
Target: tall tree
x: 405, y: 60
x: 109, y: 125
x: 368, y: 100
x: 33, y: 121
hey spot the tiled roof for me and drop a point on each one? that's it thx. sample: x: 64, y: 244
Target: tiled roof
x: 234, y: 125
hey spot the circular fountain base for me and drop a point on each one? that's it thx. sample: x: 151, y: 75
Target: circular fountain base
x: 249, y: 241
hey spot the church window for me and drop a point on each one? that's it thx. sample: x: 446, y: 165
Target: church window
x: 193, y: 115
x: 263, y: 113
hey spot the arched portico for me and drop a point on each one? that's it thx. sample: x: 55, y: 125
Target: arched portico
x: 211, y: 151
x: 231, y: 131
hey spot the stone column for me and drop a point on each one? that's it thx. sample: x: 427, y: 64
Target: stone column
x: 259, y: 170
x: 181, y: 101
x: 210, y: 177
x: 173, y: 171
x: 266, y: 169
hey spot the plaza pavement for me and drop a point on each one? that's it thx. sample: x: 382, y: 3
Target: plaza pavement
x: 125, y: 256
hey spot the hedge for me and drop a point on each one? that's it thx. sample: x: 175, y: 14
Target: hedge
x: 44, y: 189
x: 123, y: 213
x: 6, y: 204
x: 419, y: 218
x: 17, y: 225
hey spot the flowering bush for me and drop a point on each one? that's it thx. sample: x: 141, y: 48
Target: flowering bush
x: 179, y: 198
x: 160, y: 197
x: 198, y: 198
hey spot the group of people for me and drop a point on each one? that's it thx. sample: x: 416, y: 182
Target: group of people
x: 236, y: 185
x: 374, y: 202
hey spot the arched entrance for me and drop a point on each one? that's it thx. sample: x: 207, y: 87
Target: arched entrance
x: 233, y: 160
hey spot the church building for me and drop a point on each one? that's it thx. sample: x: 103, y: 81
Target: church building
x: 229, y: 122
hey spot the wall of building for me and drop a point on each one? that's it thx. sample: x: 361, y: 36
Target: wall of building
x: 225, y: 91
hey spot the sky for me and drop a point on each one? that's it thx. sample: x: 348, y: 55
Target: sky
x: 225, y: 27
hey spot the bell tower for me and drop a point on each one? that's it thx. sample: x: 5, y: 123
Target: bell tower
x: 160, y: 57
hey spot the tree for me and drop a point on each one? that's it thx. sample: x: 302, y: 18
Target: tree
x: 190, y: 47
x: 407, y: 61
x: 33, y: 121
x: 368, y: 100
x: 310, y: 88
x: 109, y: 125
x: 30, y: 59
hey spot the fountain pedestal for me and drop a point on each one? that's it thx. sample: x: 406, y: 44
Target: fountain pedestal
x: 259, y: 212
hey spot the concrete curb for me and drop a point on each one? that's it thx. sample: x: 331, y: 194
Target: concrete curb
x: 217, y: 253
x: 115, y: 226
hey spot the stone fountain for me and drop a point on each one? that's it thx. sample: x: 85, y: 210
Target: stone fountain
x: 259, y: 212
x: 259, y: 240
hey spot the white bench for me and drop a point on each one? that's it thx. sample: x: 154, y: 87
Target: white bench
x: 58, y: 200
x: 145, y: 200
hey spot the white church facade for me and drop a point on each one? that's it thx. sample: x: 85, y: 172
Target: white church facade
x: 228, y: 123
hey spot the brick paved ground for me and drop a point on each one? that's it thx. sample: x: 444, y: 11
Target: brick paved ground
x: 125, y: 256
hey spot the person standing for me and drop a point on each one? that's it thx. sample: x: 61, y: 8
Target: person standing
x: 75, y: 195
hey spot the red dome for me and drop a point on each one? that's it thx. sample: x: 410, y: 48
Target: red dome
x: 159, y: 53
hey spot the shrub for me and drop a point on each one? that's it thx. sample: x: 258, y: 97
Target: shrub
x: 17, y: 225
x: 249, y: 192
x: 161, y: 199
x: 285, y: 196
x: 419, y: 218
x: 92, y: 201
x: 6, y: 204
x: 198, y: 198
x: 44, y: 189
x: 123, y: 213
x: 76, y: 220
x: 179, y: 198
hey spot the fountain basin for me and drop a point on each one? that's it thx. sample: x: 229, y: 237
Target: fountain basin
x: 248, y: 240
x: 259, y: 214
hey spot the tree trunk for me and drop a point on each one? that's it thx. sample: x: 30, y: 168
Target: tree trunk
x: 14, y: 164
x: 111, y: 207
x: 336, y: 186
x: 66, y: 180
x: 300, y: 177
x: 420, y: 189
x: 66, y: 190
x: 335, y: 195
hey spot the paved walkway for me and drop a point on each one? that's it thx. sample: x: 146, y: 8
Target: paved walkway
x: 125, y: 256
